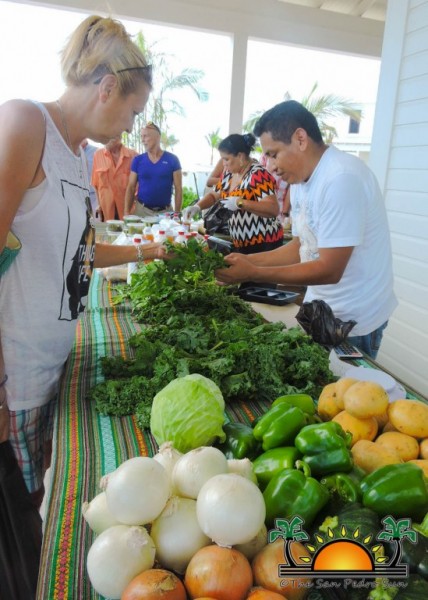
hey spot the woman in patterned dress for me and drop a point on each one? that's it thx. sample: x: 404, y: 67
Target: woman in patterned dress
x: 247, y: 189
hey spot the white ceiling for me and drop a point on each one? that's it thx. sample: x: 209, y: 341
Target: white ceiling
x: 367, y: 9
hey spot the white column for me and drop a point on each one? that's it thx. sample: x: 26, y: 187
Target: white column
x: 237, y: 92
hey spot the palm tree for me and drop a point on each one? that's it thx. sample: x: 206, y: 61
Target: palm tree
x: 168, y: 141
x: 290, y: 531
x: 161, y: 102
x: 324, y: 107
x: 213, y: 140
x: 395, y: 531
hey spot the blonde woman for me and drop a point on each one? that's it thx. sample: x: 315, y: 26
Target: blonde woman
x: 44, y: 200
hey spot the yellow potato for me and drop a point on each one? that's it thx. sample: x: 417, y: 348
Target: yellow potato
x: 404, y: 445
x: 370, y: 456
x: 422, y: 463
x: 382, y: 420
x: 423, y: 448
x: 327, y: 406
x: 341, y: 386
x: 366, y: 399
x: 361, y: 429
x: 409, y: 416
x: 388, y: 427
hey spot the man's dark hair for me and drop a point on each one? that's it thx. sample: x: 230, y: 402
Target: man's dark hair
x: 282, y: 120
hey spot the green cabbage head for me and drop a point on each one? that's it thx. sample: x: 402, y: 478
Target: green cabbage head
x: 189, y: 412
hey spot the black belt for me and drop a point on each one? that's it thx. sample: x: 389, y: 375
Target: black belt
x: 154, y: 208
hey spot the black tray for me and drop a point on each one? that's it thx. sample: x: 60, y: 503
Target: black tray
x: 267, y: 295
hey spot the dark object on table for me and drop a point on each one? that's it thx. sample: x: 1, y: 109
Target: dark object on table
x: 318, y: 320
x: 266, y: 295
x: 216, y: 219
x: 223, y: 246
x: 21, y: 532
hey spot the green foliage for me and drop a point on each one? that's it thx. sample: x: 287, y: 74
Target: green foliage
x: 324, y: 107
x: 162, y: 100
x: 192, y: 325
x: 189, y: 196
x: 213, y: 140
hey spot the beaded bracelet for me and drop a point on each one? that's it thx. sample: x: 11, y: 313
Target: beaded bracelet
x: 140, y: 255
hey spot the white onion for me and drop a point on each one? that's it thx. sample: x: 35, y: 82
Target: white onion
x: 253, y: 547
x: 137, y: 490
x: 117, y: 556
x: 97, y: 514
x: 243, y: 467
x: 230, y: 509
x: 177, y: 534
x: 167, y: 457
x: 196, y: 467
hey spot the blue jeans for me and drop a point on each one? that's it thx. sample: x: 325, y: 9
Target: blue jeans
x: 369, y: 343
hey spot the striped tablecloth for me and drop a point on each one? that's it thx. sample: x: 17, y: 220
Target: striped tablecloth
x: 88, y: 445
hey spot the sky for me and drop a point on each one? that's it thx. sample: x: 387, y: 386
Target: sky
x: 30, y: 69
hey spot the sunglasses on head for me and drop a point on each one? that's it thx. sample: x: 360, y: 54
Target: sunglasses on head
x: 147, y: 73
x: 151, y: 125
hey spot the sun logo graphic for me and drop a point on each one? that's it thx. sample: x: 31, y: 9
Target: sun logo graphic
x: 343, y: 554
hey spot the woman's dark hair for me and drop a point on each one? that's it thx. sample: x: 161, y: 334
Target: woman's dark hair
x: 282, y: 120
x: 236, y: 143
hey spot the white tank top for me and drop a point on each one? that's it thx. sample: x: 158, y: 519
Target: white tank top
x: 46, y: 287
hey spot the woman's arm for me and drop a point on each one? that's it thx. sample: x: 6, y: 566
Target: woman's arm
x: 215, y: 175
x: 108, y: 255
x: 208, y: 200
x: 267, y: 207
x: 22, y: 134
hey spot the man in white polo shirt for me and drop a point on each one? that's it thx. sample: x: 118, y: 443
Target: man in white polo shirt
x: 341, y: 246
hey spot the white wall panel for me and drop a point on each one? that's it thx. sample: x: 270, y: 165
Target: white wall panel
x: 412, y: 89
x: 413, y: 111
x: 414, y: 202
x: 413, y: 180
x: 411, y: 157
x: 403, y: 171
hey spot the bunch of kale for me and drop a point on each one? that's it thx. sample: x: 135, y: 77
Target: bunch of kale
x: 192, y: 325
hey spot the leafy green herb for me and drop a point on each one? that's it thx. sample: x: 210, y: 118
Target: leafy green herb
x: 193, y: 325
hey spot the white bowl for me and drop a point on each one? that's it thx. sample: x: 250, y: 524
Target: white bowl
x: 394, y: 389
x: 368, y: 374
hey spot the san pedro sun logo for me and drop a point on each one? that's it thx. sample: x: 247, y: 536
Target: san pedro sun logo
x: 345, y: 554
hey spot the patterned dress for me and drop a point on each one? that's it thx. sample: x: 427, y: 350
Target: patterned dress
x: 249, y: 232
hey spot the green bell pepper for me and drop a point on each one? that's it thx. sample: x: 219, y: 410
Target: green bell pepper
x: 271, y: 462
x: 240, y: 442
x: 400, y: 490
x: 303, y: 401
x: 293, y: 492
x: 325, y: 448
x: 279, y: 425
x: 342, y: 486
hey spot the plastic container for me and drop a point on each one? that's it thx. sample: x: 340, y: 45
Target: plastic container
x: 148, y: 234
x: 160, y: 236
x: 135, y: 228
x: 114, y: 225
x: 170, y: 235
x: 137, y: 240
x: 181, y: 238
x: 166, y: 222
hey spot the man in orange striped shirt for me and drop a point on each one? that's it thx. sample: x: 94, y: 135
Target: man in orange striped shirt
x: 110, y: 174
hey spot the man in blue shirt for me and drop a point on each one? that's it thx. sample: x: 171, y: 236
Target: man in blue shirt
x: 156, y: 172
